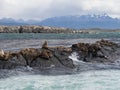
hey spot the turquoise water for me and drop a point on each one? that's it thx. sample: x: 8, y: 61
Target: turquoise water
x: 91, y: 80
x: 58, y: 36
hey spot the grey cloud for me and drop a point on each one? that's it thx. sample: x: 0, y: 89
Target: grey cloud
x: 40, y: 9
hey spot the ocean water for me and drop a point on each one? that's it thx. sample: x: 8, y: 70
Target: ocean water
x: 105, y: 79
x: 6, y: 36
x: 90, y: 80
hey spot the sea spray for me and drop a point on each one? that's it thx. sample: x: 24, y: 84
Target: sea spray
x: 91, y: 80
x: 29, y: 68
x: 74, y: 56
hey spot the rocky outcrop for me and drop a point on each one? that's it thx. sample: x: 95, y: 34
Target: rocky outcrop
x: 38, y: 29
x: 34, y: 29
x: 9, y: 29
x: 58, y: 57
x: 101, y: 51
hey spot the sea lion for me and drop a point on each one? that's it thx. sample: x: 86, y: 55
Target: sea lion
x: 46, y: 54
x: 45, y: 45
x: 29, y: 54
x: 5, y: 55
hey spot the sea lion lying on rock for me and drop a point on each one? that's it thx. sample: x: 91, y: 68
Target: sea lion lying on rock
x: 64, y: 49
x: 7, y: 61
x: 2, y: 54
x: 106, y: 43
x: 46, y: 54
x: 29, y: 54
x: 5, y: 55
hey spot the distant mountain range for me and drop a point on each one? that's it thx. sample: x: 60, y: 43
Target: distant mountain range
x: 74, y: 22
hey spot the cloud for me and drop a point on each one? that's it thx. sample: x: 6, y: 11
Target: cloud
x: 110, y: 7
x: 24, y: 8
x: 40, y: 9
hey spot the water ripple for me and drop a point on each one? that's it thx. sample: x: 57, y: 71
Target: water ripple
x: 90, y: 80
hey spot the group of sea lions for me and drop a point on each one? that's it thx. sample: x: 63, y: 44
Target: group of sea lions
x: 29, y: 54
x: 94, y: 50
x: 86, y: 52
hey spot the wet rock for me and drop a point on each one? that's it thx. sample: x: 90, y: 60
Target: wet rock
x: 101, y: 51
x: 41, y: 63
x: 10, y: 61
x: 46, y: 57
x: 8, y: 65
x: 63, y: 57
x: 53, y: 56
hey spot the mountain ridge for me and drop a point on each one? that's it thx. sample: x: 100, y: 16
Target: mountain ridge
x: 74, y: 22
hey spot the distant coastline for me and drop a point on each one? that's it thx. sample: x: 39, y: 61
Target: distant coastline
x: 48, y: 29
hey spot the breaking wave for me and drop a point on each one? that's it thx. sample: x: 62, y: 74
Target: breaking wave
x: 91, y: 80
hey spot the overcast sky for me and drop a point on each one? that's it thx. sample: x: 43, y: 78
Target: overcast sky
x: 41, y: 9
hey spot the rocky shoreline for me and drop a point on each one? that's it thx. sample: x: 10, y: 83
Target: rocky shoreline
x: 37, y: 29
x: 48, y: 29
x: 102, y: 51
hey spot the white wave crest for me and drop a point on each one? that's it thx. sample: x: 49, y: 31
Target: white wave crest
x: 74, y: 57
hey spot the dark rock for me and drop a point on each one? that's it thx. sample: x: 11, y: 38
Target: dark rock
x: 8, y: 65
x: 101, y: 51
x: 63, y: 58
x: 58, y: 57
x: 41, y: 63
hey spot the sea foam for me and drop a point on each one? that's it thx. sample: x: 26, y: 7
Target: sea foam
x: 91, y: 80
